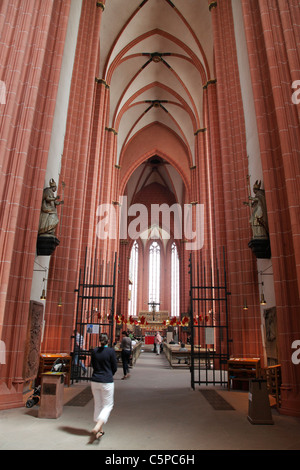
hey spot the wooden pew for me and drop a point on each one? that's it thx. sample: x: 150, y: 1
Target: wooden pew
x: 173, y: 354
x: 201, y: 355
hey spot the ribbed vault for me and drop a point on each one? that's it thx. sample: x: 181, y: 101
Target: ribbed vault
x: 156, y: 56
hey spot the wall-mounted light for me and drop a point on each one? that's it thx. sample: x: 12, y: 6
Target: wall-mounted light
x: 59, y: 302
x: 43, y: 296
x: 262, y: 299
x: 245, y: 307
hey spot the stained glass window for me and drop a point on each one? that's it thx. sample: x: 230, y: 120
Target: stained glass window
x: 133, y: 276
x: 174, y: 281
x: 154, y: 274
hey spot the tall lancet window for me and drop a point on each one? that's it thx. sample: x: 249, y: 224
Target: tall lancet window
x: 154, y: 275
x: 133, y: 277
x: 174, y: 281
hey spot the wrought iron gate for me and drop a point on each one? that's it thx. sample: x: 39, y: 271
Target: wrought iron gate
x: 209, y: 320
x: 94, y: 312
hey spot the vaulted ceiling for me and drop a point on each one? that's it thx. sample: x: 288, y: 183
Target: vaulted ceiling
x: 156, y: 56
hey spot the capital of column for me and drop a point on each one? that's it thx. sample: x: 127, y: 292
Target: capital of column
x: 102, y: 82
x: 111, y: 129
x: 100, y: 5
x: 198, y: 131
x: 212, y: 81
x: 212, y: 5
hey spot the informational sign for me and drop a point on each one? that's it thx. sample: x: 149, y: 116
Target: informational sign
x: 209, y: 335
x: 92, y: 329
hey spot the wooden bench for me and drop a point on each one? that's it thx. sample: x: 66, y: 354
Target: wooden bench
x: 184, y: 356
x: 201, y: 355
x: 173, y: 355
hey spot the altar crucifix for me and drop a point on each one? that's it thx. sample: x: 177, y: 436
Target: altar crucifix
x: 153, y: 305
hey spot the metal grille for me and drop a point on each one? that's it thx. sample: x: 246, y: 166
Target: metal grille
x: 94, y: 312
x: 209, y: 317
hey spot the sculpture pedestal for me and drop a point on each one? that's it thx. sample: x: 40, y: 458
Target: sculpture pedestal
x: 46, y: 245
x: 52, y: 395
x: 259, y: 411
x: 260, y: 248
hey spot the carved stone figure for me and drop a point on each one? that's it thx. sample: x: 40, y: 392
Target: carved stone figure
x: 270, y: 321
x: 33, y: 340
x: 48, y: 218
x: 259, y: 219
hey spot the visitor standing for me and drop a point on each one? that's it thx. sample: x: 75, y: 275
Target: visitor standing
x: 157, y: 341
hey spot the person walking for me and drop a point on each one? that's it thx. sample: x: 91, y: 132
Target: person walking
x: 104, y: 363
x: 126, y: 346
x: 157, y: 341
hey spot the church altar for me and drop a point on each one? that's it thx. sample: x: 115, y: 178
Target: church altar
x: 152, y: 322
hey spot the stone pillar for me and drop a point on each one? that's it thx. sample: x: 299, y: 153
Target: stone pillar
x: 215, y: 174
x: 272, y: 34
x: 246, y: 331
x: 31, y: 76
x: 125, y: 250
x: 79, y: 170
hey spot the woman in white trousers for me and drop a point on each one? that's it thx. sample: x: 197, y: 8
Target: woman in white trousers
x: 104, y: 363
x: 103, y: 402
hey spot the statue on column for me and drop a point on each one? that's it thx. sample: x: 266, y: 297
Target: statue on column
x: 259, y: 219
x: 259, y: 244
x: 47, y: 240
x: 48, y: 218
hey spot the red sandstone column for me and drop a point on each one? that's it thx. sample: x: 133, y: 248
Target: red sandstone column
x: 218, y: 204
x: 107, y: 191
x: 92, y: 193
x: 215, y: 174
x: 122, y: 298
x: 202, y: 187
x: 246, y: 332
x: 32, y: 58
x: 272, y: 30
x: 77, y: 163
x: 282, y: 36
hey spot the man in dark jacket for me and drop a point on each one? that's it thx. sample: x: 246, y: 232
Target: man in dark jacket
x: 126, y: 346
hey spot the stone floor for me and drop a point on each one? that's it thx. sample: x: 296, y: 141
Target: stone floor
x: 155, y: 409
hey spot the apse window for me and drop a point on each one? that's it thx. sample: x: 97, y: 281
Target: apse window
x: 174, y: 281
x: 133, y: 279
x: 154, y: 276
